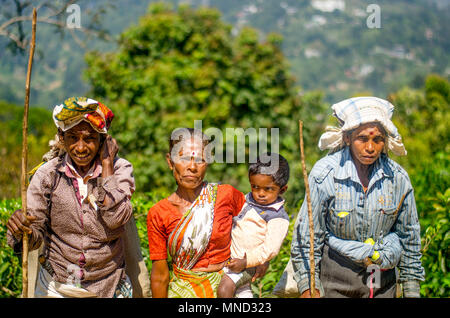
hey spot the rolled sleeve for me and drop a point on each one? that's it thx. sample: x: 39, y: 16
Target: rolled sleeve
x: 411, y: 289
x: 304, y: 284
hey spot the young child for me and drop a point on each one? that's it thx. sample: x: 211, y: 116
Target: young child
x: 261, y: 226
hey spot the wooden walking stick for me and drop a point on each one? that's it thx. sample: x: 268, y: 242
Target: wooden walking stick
x: 310, y: 217
x: 23, y: 181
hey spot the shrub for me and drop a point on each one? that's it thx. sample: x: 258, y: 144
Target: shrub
x: 10, y: 264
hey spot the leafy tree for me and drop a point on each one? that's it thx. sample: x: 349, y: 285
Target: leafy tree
x: 65, y: 29
x: 10, y: 264
x: 40, y: 128
x: 175, y: 67
x: 432, y: 192
x: 422, y: 118
x: 15, y: 13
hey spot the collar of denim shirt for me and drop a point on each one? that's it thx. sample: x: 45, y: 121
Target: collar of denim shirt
x: 347, y: 168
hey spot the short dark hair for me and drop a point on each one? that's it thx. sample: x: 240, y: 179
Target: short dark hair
x: 280, y: 176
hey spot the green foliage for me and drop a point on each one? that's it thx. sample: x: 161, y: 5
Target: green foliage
x: 10, y: 264
x: 422, y: 118
x: 175, y: 67
x: 142, y: 202
x: 40, y: 130
x: 432, y: 192
x: 435, y: 259
x: 416, y: 28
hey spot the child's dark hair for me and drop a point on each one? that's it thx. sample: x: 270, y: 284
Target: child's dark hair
x: 266, y: 163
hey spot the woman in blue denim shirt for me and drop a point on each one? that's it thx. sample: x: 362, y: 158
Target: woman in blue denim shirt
x: 359, y: 195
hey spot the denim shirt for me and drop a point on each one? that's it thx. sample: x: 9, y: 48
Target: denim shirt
x: 341, y: 207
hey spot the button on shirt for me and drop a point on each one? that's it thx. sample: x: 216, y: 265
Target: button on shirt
x: 341, y: 207
x: 81, y: 181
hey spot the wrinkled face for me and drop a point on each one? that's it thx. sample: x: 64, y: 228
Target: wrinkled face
x: 264, y: 190
x: 188, y: 164
x: 82, y: 143
x: 366, y: 143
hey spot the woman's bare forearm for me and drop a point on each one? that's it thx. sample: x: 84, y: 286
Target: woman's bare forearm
x: 159, y: 279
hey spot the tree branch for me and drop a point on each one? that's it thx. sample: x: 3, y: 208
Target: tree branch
x: 21, y: 44
x: 8, y: 291
x: 51, y: 18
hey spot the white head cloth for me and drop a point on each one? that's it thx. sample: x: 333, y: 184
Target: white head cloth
x: 354, y: 112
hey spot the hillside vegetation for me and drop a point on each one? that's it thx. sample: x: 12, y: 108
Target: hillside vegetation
x: 333, y: 51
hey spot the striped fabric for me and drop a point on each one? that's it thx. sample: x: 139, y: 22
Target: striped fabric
x: 190, y: 284
x: 187, y: 242
x: 359, y: 110
x: 341, y: 208
x: 388, y: 247
x: 189, y: 239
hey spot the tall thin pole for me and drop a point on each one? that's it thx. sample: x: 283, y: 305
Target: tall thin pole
x: 310, y: 217
x: 23, y: 183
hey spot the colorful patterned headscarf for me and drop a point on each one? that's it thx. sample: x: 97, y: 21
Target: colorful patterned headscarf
x: 76, y: 109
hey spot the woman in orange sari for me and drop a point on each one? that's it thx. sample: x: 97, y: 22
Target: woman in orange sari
x: 194, y: 224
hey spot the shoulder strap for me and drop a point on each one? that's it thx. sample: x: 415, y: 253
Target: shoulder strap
x: 44, y: 253
x: 55, y: 183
